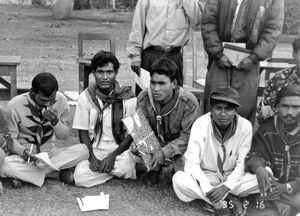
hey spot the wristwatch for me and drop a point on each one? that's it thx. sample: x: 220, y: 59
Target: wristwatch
x: 289, y: 188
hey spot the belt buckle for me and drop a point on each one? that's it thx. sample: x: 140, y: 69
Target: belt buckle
x: 168, y: 49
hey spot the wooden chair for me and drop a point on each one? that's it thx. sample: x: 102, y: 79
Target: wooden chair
x: 8, y: 67
x: 84, y: 62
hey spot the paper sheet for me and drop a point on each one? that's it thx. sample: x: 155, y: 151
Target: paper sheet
x: 92, y: 203
x: 43, y: 158
x: 143, y: 81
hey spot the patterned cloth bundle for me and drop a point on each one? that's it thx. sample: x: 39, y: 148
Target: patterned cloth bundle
x: 143, y: 136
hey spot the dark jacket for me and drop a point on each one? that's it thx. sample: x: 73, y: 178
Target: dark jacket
x: 177, y: 124
x: 263, y: 26
x: 268, y: 149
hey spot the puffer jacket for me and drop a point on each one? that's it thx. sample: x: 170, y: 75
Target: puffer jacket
x: 264, y: 25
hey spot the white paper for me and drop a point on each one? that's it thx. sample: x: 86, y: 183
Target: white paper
x: 143, y: 81
x: 92, y: 203
x: 43, y: 158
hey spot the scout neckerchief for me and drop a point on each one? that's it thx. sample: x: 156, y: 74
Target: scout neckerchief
x: 115, y: 98
x: 222, y: 139
x: 43, y: 129
x: 162, y: 112
x: 290, y: 139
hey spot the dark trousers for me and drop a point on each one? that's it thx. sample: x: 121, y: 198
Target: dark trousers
x: 149, y: 56
x: 245, y: 82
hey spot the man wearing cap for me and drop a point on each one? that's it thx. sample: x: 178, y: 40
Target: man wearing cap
x: 214, y: 160
x: 275, y: 153
x: 267, y: 106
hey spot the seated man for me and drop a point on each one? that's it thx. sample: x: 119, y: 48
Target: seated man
x: 5, y: 143
x: 170, y: 111
x: 275, y: 153
x: 214, y: 160
x: 35, y: 119
x: 99, y: 113
x: 267, y: 107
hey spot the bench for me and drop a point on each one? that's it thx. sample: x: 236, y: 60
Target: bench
x: 8, y: 68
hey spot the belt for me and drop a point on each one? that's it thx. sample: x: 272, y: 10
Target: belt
x: 167, y: 49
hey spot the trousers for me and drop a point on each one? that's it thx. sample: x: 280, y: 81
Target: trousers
x: 14, y: 166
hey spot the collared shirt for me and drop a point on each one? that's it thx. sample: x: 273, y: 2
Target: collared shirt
x: 164, y: 23
x: 203, y: 149
x: 267, y: 106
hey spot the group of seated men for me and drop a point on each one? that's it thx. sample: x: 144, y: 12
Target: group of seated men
x: 215, y: 156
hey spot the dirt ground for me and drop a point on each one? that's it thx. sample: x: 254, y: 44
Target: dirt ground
x: 51, y: 45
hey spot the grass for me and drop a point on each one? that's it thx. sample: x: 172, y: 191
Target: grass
x: 51, y: 45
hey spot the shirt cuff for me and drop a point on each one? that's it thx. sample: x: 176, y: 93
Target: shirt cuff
x: 254, y: 58
x: 167, y: 151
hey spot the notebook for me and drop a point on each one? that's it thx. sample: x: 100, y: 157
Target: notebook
x: 92, y: 203
x: 235, y: 53
x: 143, y: 81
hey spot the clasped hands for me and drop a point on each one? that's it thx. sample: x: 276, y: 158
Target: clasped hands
x: 102, y: 166
x: 269, y: 186
x: 51, y: 115
x: 246, y: 64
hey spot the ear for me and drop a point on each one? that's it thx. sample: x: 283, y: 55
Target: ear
x: 174, y: 83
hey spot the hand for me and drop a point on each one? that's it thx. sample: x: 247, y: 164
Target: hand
x: 277, y: 190
x: 136, y: 67
x: 51, y: 115
x: 217, y: 194
x: 107, y: 164
x: 156, y: 159
x: 246, y: 64
x: 225, y: 62
x: 94, y: 164
x: 134, y: 150
x: 264, y: 179
x: 27, y: 156
x: 266, y: 112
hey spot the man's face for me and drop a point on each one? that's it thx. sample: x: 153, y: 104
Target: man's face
x: 161, y: 87
x: 105, y: 76
x: 223, y: 113
x: 43, y: 101
x: 289, y: 110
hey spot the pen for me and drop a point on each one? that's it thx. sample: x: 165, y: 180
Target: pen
x: 31, y: 147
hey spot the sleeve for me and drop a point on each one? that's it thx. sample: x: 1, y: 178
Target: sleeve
x: 210, y: 29
x: 81, y: 118
x: 136, y: 37
x: 194, y: 155
x: 235, y: 177
x: 12, y: 123
x: 271, y: 30
x: 192, y: 11
x: 62, y: 128
x: 266, y: 106
x: 260, y: 152
x: 179, y: 145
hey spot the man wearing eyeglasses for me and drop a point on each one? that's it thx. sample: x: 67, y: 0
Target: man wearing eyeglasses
x: 99, y: 113
x: 35, y: 120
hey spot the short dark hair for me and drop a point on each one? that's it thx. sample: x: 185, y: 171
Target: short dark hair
x: 45, y: 82
x: 102, y: 58
x: 288, y: 91
x: 165, y: 66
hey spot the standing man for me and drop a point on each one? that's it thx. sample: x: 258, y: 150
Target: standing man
x: 99, y: 113
x: 275, y: 153
x: 35, y: 119
x: 267, y: 106
x: 214, y: 159
x: 161, y: 28
x: 170, y: 111
x: 257, y: 24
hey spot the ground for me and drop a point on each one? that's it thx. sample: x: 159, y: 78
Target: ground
x: 51, y: 45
